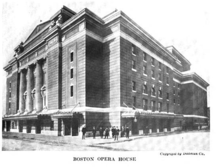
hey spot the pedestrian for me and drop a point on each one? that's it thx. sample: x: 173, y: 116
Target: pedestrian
x: 101, y: 132
x: 106, y: 133
x: 113, y: 132
x: 116, y: 133
x: 94, y: 132
x: 122, y: 131
x: 83, y: 132
x: 127, y: 132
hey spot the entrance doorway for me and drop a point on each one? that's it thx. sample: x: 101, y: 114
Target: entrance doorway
x: 161, y: 121
x: 154, y: 127
x: 168, y: 125
x: 67, y: 126
x: 75, y: 127
x: 134, y: 128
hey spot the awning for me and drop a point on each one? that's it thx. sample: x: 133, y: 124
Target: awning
x: 149, y: 114
x: 195, y: 116
x: 48, y: 112
x: 20, y: 117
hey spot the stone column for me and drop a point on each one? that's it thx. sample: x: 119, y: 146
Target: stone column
x: 29, y: 105
x: 21, y: 91
x: 38, y: 85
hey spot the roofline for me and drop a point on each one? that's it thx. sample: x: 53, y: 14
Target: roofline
x: 122, y: 14
x: 34, y: 29
x: 179, y: 54
x: 64, y: 7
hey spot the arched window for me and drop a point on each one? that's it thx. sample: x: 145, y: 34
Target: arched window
x: 33, y: 98
x: 44, y: 94
x: 153, y: 93
x: 145, y: 88
x: 25, y: 99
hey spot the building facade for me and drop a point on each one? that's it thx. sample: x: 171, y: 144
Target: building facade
x: 78, y: 69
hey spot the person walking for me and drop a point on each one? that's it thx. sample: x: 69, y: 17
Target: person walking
x: 94, y: 132
x: 122, y: 131
x: 106, y: 133
x: 101, y: 132
x: 83, y: 132
x: 127, y: 132
x: 116, y: 133
x: 113, y: 132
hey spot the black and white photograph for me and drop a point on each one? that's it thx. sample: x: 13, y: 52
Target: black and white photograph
x: 114, y: 77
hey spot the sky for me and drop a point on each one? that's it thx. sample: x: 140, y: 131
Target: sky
x: 186, y: 25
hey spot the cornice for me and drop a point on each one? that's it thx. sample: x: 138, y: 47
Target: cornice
x: 83, y: 12
x: 179, y: 54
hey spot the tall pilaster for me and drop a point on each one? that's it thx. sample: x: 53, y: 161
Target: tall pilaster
x: 29, y: 102
x: 21, y: 91
x: 39, y: 84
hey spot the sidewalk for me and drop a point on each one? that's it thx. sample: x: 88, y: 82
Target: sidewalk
x: 89, y: 141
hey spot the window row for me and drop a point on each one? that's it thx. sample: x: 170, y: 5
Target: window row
x: 152, y: 72
x: 152, y: 105
x: 152, y: 91
x: 134, y: 53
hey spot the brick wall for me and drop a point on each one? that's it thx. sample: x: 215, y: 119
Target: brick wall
x: 14, y: 94
x: 187, y: 98
x: 94, y: 73
x: 128, y: 75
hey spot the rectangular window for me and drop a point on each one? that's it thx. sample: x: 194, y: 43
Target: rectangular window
x: 160, y: 106
x: 167, y: 96
x: 174, y: 101
x: 167, y: 70
x: 71, y: 56
x: 168, y: 80
x: 9, y: 105
x: 71, y: 73
x: 145, y: 102
x: 153, y: 105
x: 152, y: 61
x: 9, y: 85
x: 160, y: 65
x: 168, y: 107
x: 145, y: 69
x: 153, y: 74
x: 160, y: 77
x: 145, y: 57
x: 9, y: 94
x: 133, y: 64
x: 133, y: 85
x: 133, y: 50
x: 160, y: 93
x: 71, y: 91
x: 134, y: 101
x: 174, y: 92
x: 145, y: 89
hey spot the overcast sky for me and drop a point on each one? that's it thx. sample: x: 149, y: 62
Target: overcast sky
x: 187, y: 25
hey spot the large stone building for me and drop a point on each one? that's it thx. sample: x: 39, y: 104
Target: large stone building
x: 78, y: 69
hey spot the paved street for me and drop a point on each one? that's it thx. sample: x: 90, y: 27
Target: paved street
x: 197, y: 141
x: 182, y: 142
